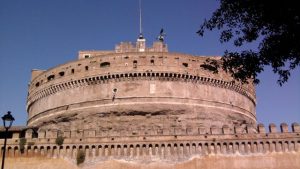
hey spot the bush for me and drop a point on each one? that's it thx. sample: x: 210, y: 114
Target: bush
x: 59, y: 140
x: 80, y: 157
x: 22, y: 143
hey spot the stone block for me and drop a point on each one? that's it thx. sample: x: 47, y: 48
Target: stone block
x: 261, y: 128
x: 67, y: 134
x: 214, y: 130
x: 272, y: 128
x: 92, y: 133
x: 284, y: 128
x: 226, y: 129
x: 16, y: 135
x: 54, y: 133
x: 189, y: 130
x: 202, y: 130
x: 73, y: 134
x: 41, y: 134
x: 86, y: 133
x: 250, y: 129
x: 295, y: 127
x: 28, y: 133
x: 238, y: 129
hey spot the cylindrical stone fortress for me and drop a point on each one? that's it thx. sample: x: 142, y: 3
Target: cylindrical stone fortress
x: 138, y: 89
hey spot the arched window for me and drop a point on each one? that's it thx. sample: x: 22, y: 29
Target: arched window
x: 51, y: 77
x: 185, y: 64
x: 61, y: 73
x: 135, y: 64
x: 87, y: 56
x: 104, y: 64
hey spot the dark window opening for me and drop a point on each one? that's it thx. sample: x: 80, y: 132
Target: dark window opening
x: 9, y: 134
x: 86, y: 56
x: 152, y: 62
x: 86, y: 68
x: 105, y: 64
x: 185, y: 64
x: 72, y: 70
x: 37, y: 84
x: 134, y: 64
x: 61, y: 73
x: 51, y: 77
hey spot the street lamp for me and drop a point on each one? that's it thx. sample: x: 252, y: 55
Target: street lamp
x: 7, y: 122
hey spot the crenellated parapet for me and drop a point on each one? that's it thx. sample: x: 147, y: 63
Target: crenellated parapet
x: 244, y: 131
x: 217, y: 141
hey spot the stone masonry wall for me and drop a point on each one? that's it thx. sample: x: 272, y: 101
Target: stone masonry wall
x: 171, y: 89
x: 168, y: 148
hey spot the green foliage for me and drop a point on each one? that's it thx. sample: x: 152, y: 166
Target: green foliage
x: 80, y: 157
x: 59, y: 140
x: 22, y: 143
x: 275, y: 23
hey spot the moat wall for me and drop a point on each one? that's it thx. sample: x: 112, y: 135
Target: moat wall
x: 257, y: 148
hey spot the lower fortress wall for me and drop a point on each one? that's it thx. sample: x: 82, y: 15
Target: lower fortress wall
x: 256, y: 149
x: 287, y: 160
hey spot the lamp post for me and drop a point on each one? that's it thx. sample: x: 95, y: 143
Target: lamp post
x: 7, y: 122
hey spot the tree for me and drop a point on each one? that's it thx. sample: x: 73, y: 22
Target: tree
x: 59, y: 140
x: 22, y: 143
x: 277, y: 23
x: 80, y: 157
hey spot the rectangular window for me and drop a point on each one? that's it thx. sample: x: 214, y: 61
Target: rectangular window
x: 134, y: 64
x: 185, y: 64
x: 87, y: 56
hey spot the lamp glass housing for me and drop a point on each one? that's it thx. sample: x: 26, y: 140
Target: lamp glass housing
x: 8, y: 120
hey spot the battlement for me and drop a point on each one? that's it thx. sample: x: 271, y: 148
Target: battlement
x: 242, y: 141
x: 244, y: 131
x: 125, y: 47
x: 238, y: 131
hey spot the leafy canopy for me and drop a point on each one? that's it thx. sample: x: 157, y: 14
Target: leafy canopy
x: 277, y: 23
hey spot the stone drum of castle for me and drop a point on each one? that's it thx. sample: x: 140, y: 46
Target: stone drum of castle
x: 135, y: 89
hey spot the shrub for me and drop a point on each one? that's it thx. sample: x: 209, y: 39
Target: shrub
x: 80, y: 157
x: 22, y: 143
x: 59, y: 140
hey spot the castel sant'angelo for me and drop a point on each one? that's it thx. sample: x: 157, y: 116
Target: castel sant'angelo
x: 145, y: 107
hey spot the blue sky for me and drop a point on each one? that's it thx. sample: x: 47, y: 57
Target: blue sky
x: 37, y: 34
